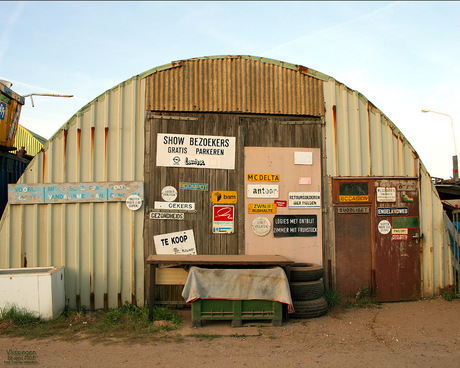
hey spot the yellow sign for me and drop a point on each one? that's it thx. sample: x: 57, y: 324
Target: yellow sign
x: 354, y: 198
x: 263, y: 177
x: 224, y: 196
x: 262, y: 208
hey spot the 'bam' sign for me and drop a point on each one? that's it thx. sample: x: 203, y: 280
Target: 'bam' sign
x: 224, y: 197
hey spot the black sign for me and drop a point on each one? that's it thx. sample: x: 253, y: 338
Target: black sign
x: 295, y: 225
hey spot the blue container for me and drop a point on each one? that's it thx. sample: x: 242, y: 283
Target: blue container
x: 11, y: 169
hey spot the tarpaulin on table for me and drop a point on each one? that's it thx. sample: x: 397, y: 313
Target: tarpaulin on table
x: 238, y: 284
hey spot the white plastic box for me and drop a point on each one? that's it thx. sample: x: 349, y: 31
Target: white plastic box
x: 39, y: 290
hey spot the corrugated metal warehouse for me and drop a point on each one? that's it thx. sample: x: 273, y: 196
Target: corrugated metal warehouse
x: 266, y: 141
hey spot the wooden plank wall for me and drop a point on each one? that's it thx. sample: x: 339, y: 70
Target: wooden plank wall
x: 256, y: 131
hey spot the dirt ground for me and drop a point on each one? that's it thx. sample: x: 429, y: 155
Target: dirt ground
x: 411, y: 334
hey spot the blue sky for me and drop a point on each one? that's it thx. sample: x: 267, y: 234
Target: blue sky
x: 403, y: 56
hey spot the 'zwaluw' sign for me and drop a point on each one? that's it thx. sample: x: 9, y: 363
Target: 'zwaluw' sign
x: 195, y: 151
x: 74, y: 192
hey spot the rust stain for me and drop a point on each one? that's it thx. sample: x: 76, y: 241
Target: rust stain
x: 334, y: 119
x: 302, y: 69
x: 91, y: 298
x: 44, y: 166
x: 119, y: 299
x: 133, y: 299
x: 78, y: 301
x: 106, y: 301
x: 106, y: 141
x: 92, y: 141
x: 25, y: 260
x: 65, y: 145
x: 177, y: 63
x: 78, y: 142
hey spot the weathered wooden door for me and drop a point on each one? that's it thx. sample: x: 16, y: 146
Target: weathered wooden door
x: 397, y: 254
x: 194, y: 185
x: 353, y: 235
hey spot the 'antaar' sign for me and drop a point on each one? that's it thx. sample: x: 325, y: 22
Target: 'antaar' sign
x: 195, y: 151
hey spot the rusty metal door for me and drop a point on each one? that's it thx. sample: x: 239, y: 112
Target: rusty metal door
x: 353, y: 235
x: 397, y: 253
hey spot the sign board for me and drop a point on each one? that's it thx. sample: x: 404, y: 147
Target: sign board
x: 384, y: 227
x: 262, y: 208
x: 399, y: 234
x: 352, y: 209
x: 405, y: 222
x: 193, y: 186
x: 174, y: 206
x: 295, y: 225
x: 181, y: 242
x: 399, y: 237
x: 261, y: 226
x: 195, y: 151
x: 303, y: 158
x: 262, y: 191
x: 263, y: 177
x: 354, y: 198
x: 398, y: 211
x: 304, y: 199
x: 166, y: 215
x: 169, y: 194
x: 386, y: 194
x: 224, y: 197
x: 74, y: 192
x: 223, y: 219
x: 281, y: 203
x: 305, y: 180
x: 134, y: 202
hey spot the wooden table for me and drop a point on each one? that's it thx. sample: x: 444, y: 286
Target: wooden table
x: 227, y: 261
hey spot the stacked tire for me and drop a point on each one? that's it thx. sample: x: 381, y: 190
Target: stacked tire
x: 307, y: 289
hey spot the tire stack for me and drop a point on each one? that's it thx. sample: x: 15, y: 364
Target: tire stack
x: 307, y: 290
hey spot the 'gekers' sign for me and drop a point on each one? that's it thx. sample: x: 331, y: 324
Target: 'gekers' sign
x: 196, y: 151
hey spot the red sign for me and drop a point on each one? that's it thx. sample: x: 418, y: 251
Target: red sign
x: 223, y: 213
x: 399, y: 237
x: 281, y: 203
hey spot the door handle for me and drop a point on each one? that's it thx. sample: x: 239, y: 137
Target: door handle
x: 417, y: 237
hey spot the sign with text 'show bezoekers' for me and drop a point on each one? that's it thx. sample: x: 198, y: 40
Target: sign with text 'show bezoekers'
x: 195, y: 151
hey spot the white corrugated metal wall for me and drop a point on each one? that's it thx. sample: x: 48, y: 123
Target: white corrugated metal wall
x: 362, y: 142
x: 100, y: 244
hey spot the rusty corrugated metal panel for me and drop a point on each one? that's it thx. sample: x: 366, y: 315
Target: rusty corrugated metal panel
x: 100, y: 244
x: 235, y: 84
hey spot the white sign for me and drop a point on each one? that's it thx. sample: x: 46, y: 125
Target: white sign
x: 181, y: 242
x: 261, y: 226
x: 303, y: 158
x: 304, y: 200
x: 169, y: 194
x: 386, y: 194
x: 174, y: 206
x: 134, y: 202
x: 166, y: 215
x: 384, y: 227
x: 263, y: 191
x: 196, y: 151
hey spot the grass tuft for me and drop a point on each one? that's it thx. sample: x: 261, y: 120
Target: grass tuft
x: 127, y: 322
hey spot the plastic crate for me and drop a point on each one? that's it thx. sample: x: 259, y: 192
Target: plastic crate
x: 236, y: 310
